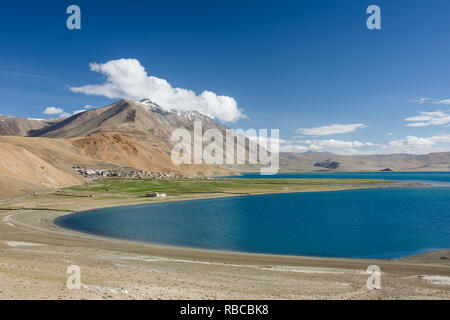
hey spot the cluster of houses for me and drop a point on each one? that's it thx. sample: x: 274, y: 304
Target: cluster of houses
x: 123, y: 173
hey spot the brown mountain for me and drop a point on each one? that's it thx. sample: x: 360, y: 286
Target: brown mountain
x: 123, y: 134
x: 134, y: 133
x: 11, y: 126
x: 319, y: 161
x: 129, y: 118
x: 39, y: 155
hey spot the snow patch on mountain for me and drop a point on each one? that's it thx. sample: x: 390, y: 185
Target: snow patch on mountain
x: 188, y: 114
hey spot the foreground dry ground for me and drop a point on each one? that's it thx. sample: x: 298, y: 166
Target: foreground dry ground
x: 35, y: 254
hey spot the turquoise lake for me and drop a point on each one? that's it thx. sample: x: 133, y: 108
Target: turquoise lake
x: 437, y: 178
x: 375, y: 223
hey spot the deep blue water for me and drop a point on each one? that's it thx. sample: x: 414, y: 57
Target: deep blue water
x: 432, y: 177
x: 375, y: 223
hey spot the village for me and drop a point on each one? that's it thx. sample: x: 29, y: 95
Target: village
x: 125, y: 172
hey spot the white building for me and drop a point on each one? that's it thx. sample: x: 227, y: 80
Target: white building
x: 156, y: 195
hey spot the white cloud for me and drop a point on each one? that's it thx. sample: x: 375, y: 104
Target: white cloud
x: 412, y: 144
x: 128, y: 79
x: 445, y: 138
x: 422, y: 100
x: 265, y: 141
x: 332, y: 145
x: 428, y: 119
x: 65, y: 115
x: 397, y: 143
x: 335, y: 144
x: 430, y: 100
x: 293, y: 148
x: 60, y: 112
x: 419, y: 142
x: 332, y: 129
x: 53, y: 110
x: 417, y: 145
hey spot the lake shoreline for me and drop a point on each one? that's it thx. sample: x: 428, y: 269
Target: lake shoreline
x: 64, y: 226
x: 101, y: 256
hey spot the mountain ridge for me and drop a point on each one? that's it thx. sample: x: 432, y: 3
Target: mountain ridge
x: 123, y: 134
x: 13, y: 126
x: 37, y: 155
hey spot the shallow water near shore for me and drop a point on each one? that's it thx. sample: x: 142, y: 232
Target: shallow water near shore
x: 371, y: 223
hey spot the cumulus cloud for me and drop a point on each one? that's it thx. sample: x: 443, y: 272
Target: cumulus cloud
x: 429, y: 119
x: 59, y: 112
x: 413, y: 144
x: 128, y: 79
x: 53, y: 110
x: 412, y: 141
x: 332, y: 129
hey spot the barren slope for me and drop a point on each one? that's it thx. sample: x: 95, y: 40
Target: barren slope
x: 25, y: 168
x: 11, y: 126
x: 396, y: 162
x: 39, y: 164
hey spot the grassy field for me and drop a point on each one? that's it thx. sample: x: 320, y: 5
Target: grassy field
x: 176, y: 187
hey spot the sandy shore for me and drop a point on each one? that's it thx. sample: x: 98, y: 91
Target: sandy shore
x: 35, y: 254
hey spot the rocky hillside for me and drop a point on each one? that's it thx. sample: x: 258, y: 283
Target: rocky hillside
x: 127, y: 117
x: 10, y: 126
x: 124, y: 134
x: 39, y: 155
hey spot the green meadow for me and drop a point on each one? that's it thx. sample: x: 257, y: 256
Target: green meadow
x: 177, y: 187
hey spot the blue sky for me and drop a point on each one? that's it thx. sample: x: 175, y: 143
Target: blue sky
x: 289, y: 65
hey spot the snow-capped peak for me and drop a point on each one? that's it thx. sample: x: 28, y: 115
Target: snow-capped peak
x: 191, y: 115
x: 188, y: 114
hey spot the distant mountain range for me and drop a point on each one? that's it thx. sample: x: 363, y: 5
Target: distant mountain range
x: 37, y: 155
x: 314, y: 161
